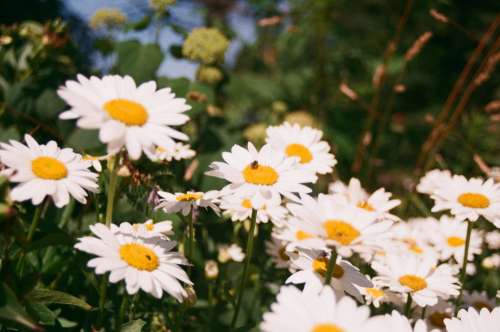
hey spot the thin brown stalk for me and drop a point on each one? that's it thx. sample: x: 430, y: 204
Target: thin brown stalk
x: 373, y: 111
x: 418, y: 45
x: 442, y: 18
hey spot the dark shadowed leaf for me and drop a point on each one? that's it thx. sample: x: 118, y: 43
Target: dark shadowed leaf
x: 47, y: 296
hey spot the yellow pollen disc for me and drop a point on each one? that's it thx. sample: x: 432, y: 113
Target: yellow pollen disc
x: 415, y: 283
x: 375, y: 292
x: 126, y: 111
x: 283, y: 255
x: 365, y: 205
x: 437, y: 319
x: 246, y: 203
x: 455, y: 241
x: 480, y: 305
x: 327, y: 328
x: 340, y: 231
x: 301, y: 235
x: 150, y: 227
x: 260, y: 174
x: 415, y: 248
x: 160, y: 149
x: 139, y: 256
x: 474, y: 200
x: 299, y: 150
x: 188, y: 197
x: 48, y: 168
x: 320, y: 266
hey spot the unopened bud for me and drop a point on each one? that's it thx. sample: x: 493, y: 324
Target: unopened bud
x: 211, y: 270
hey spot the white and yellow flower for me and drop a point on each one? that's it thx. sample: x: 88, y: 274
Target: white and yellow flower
x: 144, y: 263
x: 433, y: 180
x: 184, y: 202
x: 449, y: 240
x: 376, y: 294
x: 147, y: 229
x: 296, y: 311
x: 469, y: 199
x: 311, y: 267
x: 139, y: 118
x: 46, y: 170
x: 408, y: 274
x: 379, y: 202
x: 267, y: 172
x: 413, y: 237
x: 232, y: 252
x: 397, y: 323
x: 436, y: 314
x: 478, y: 300
x: 324, y: 222
x: 470, y: 320
x: 178, y: 151
x: 493, y: 240
x: 305, y: 144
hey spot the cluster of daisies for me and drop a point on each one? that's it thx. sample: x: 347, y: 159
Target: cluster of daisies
x: 345, y: 250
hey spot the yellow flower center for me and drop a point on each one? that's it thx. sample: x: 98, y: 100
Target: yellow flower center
x: 246, y: 203
x: 415, y: 283
x: 150, y: 227
x: 301, y: 235
x: 126, y: 111
x: 365, y: 205
x: 327, y: 328
x: 160, y: 149
x: 260, y: 174
x: 299, y: 150
x: 139, y: 256
x: 340, y: 231
x: 437, y: 319
x: 48, y: 168
x: 415, y: 248
x: 282, y: 254
x: 474, y: 200
x: 188, y: 197
x: 375, y: 292
x: 455, y: 241
x: 320, y: 266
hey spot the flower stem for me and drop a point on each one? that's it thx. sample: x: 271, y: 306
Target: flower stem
x: 189, y: 249
x: 34, y: 223
x: 113, y: 179
x: 464, y: 265
x: 244, y: 277
x: 330, y: 267
x: 408, y: 306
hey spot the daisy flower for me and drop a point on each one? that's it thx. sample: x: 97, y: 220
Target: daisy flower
x: 228, y: 253
x: 493, y: 240
x: 177, y: 152
x: 408, y: 274
x: 311, y: 267
x: 491, y: 262
x: 379, y: 202
x: 95, y: 161
x: 144, y: 263
x: 137, y: 117
x: 184, y: 202
x: 436, y: 314
x: 469, y: 199
x: 413, y: 237
x: 297, y: 311
x: 46, y: 170
x: 376, y: 294
x: 267, y: 172
x: 395, y: 322
x: 276, y: 249
x: 449, y: 240
x: 470, y: 320
x: 240, y: 207
x: 325, y: 222
x: 478, y: 300
x: 147, y: 229
x: 432, y: 180
x: 305, y: 144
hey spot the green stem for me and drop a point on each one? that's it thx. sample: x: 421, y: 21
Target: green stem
x: 34, y: 223
x: 464, y: 265
x: 190, y: 239
x: 66, y: 215
x: 113, y: 179
x: 244, y: 277
x: 330, y: 267
x: 121, y: 315
x: 102, y: 299
x: 408, y: 306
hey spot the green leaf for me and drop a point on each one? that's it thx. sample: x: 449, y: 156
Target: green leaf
x: 48, y: 105
x: 83, y: 139
x: 133, y: 326
x: 41, y: 295
x: 137, y: 60
x: 66, y: 323
x: 51, y: 240
x: 44, y: 314
x: 11, y: 311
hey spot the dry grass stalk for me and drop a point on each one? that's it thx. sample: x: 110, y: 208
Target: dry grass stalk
x: 493, y: 106
x: 399, y: 88
x: 417, y: 46
x: 378, y: 75
x: 346, y: 90
x: 489, y: 68
x: 270, y: 21
x: 481, y: 164
x: 188, y: 175
x: 439, y: 16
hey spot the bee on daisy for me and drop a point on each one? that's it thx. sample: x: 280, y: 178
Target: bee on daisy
x: 266, y: 172
x: 296, y: 311
x: 43, y: 170
x: 468, y: 199
x: 311, y: 268
x: 139, y: 118
x: 185, y: 202
x: 419, y: 277
x: 303, y: 143
x: 148, y: 264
